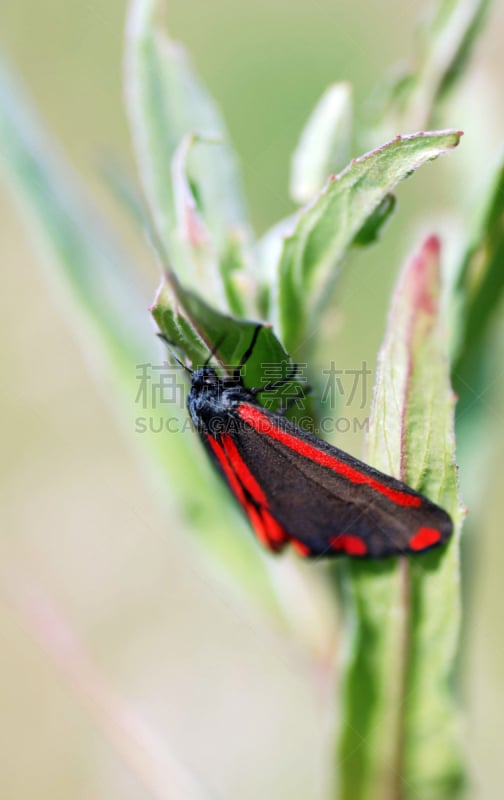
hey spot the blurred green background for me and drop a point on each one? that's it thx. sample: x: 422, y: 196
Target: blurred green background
x: 82, y: 531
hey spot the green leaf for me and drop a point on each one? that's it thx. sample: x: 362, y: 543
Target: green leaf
x: 449, y: 38
x: 195, y: 236
x: 95, y: 270
x: 166, y: 104
x: 125, y: 191
x: 176, y: 328
x: 201, y: 329
x: 433, y: 759
x: 325, y: 142
x: 405, y: 617
x: 372, y: 227
x: 480, y: 289
x: 326, y: 229
x: 267, y: 253
x: 413, y: 98
x: 370, y: 687
x: 106, y: 310
x: 240, y: 289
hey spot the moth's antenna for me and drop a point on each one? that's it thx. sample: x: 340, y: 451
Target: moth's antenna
x: 175, y: 358
x: 213, y: 351
x: 248, y: 352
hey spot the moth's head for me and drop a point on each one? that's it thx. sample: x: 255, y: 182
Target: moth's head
x: 205, y: 377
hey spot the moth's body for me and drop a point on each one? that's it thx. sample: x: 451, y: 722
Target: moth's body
x: 297, y: 489
x: 212, y: 397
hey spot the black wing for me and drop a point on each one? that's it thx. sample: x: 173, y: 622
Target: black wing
x: 298, y: 489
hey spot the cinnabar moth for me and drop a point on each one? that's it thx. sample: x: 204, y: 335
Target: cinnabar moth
x: 296, y: 488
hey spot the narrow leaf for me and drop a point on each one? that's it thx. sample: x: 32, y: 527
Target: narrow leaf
x: 447, y: 39
x: 267, y: 253
x: 433, y: 759
x: 480, y: 290
x: 199, y: 329
x: 406, y: 617
x: 167, y: 103
x: 126, y: 191
x: 93, y: 265
x: 325, y: 142
x: 223, y: 272
x: 190, y: 228
x: 107, y: 312
x: 326, y: 229
x: 370, y: 686
x: 372, y: 227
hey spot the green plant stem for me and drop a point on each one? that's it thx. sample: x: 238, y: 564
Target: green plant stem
x: 406, y: 635
x: 399, y: 730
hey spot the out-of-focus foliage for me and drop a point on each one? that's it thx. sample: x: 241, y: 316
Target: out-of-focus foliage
x: 399, y: 715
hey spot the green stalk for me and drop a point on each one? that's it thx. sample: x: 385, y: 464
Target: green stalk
x: 399, y: 732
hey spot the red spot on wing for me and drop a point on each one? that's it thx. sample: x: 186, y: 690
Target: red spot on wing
x: 263, y: 424
x: 301, y: 548
x: 423, y: 538
x: 242, y: 471
x: 348, y: 544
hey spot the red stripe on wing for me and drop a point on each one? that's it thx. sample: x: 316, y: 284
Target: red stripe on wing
x: 264, y: 425
x: 267, y: 529
x: 257, y: 523
x: 269, y: 532
x: 276, y: 534
x: 228, y: 471
x: 242, y: 471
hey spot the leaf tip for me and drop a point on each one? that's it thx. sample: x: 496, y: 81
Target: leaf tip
x: 432, y: 246
x: 160, y: 298
x: 457, y: 136
x: 425, y: 275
